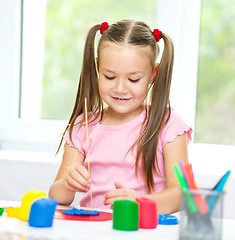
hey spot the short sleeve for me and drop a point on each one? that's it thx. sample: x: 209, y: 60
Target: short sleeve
x: 77, y: 138
x: 173, y: 128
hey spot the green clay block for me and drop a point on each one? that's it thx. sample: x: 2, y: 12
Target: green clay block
x: 1, y: 211
x: 125, y: 215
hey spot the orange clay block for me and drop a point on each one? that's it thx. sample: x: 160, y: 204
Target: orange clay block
x: 27, y: 201
x: 13, y: 212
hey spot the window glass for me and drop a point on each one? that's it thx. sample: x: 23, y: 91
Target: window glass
x: 66, y: 24
x: 215, y: 112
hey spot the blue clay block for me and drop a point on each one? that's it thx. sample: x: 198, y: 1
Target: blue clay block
x: 69, y: 212
x: 166, y: 219
x: 86, y: 213
x: 42, y: 212
x: 81, y: 212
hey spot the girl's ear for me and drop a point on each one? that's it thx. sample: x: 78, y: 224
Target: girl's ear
x: 154, y: 72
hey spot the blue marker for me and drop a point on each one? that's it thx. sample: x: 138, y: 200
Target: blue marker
x: 218, y: 188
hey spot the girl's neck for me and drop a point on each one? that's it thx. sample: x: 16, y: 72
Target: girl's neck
x: 111, y: 118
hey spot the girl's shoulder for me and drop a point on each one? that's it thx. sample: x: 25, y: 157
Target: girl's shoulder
x: 77, y: 136
x: 174, y: 126
x: 175, y: 118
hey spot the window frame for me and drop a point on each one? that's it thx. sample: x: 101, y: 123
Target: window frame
x: 183, y: 15
x: 16, y: 133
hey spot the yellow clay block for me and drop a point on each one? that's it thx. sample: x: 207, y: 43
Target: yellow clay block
x: 27, y: 201
x: 13, y: 212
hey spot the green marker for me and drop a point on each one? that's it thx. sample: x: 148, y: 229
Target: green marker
x: 192, y: 207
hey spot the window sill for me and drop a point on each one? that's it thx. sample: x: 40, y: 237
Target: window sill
x: 28, y: 156
x: 211, y: 159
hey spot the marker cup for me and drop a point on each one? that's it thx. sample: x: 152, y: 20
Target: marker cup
x: 204, y: 222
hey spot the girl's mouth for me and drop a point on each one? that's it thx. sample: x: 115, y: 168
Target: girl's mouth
x: 121, y: 99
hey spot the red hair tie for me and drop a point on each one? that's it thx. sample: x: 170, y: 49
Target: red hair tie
x: 157, y: 34
x: 104, y: 26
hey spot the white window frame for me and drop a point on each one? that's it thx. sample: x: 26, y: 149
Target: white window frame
x: 33, y: 31
x: 15, y: 133
x: 178, y: 18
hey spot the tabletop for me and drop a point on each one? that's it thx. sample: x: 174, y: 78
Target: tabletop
x: 16, y: 229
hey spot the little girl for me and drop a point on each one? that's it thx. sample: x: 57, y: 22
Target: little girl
x: 132, y: 144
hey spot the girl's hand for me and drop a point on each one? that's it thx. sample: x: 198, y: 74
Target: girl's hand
x: 77, y: 178
x: 120, y: 193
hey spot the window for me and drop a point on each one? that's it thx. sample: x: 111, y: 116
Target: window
x: 41, y: 51
x: 53, y: 40
x: 215, y: 114
x: 36, y: 106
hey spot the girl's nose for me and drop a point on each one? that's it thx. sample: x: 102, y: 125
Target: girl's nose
x: 120, y: 86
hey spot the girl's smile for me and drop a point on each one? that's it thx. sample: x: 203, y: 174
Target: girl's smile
x: 121, y: 100
x: 124, y: 76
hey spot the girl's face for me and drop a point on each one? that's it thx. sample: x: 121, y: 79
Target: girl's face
x: 125, y: 73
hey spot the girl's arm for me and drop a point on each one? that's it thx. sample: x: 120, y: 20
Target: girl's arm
x: 72, y: 177
x: 168, y: 201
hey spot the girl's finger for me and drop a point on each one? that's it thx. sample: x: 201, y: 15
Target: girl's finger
x: 79, y: 178
x: 116, y: 193
x: 83, y: 172
x: 73, y: 185
x: 118, y: 185
x: 110, y: 201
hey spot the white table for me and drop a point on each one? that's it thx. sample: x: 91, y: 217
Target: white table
x: 79, y: 230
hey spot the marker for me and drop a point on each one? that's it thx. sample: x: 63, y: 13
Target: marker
x: 192, y: 207
x: 182, y: 165
x: 200, y: 201
x: 220, y: 186
x: 221, y: 180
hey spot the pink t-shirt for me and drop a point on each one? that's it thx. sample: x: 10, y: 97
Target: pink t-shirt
x: 109, y: 160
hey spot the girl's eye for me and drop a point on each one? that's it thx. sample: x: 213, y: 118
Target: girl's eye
x: 134, y: 80
x: 109, y: 78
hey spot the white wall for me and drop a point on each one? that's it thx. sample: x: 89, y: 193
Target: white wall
x: 19, y: 175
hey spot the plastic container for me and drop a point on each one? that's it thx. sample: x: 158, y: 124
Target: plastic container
x: 201, y: 215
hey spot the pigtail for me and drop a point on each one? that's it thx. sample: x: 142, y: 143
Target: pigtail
x: 88, y: 80
x: 160, y: 96
x: 159, y: 114
x: 88, y: 84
